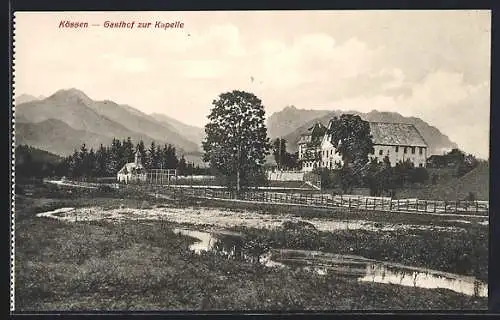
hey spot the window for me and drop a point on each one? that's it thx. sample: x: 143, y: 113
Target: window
x: 420, y: 165
x: 397, y: 148
x: 381, y: 152
x: 331, y: 152
x: 412, y: 150
x: 421, y: 150
x: 405, y: 150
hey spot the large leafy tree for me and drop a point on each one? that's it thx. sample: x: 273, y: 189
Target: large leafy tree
x: 351, y: 137
x: 236, y: 140
x: 378, y: 176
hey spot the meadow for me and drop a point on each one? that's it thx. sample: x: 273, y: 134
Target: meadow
x: 141, y: 264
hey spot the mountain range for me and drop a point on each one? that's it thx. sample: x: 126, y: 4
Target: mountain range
x: 27, y: 98
x: 66, y: 119
x: 298, y: 121
x: 63, y: 121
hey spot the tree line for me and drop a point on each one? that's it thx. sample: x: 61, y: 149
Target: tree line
x: 105, y: 161
x: 284, y: 159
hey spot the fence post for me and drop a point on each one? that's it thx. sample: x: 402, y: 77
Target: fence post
x: 445, y: 205
x: 477, y: 206
x: 349, y: 204
x: 366, y: 203
x: 456, y: 205
x: 407, y: 205
x: 425, y: 205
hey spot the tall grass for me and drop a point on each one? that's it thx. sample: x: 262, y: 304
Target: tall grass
x: 145, y: 266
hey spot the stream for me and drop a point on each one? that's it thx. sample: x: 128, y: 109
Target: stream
x: 232, y: 245
x: 363, y: 269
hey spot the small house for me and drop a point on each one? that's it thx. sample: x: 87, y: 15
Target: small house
x: 133, y: 171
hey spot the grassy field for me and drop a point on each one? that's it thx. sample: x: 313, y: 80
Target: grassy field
x: 145, y: 266
x: 476, y: 182
x: 135, y: 266
x: 464, y: 253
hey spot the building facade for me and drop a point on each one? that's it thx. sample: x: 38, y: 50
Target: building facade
x: 398, y: 141
x: 132, y: 171
x: 309, y: 146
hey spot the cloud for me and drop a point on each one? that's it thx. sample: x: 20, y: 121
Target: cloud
x: 417, y: 64
x: 443, y: 99
x: 203, y: 69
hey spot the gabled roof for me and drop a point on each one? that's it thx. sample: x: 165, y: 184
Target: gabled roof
x: 318, y: 128
x: 396, y: 134
x: 131, y: 166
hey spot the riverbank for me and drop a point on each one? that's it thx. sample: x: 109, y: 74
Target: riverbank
x: 452, y: 245
x: 133, y: 265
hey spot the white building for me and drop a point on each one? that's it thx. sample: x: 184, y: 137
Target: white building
x: 133, y: 171
x: 398, y: 141
x: 309, y: 146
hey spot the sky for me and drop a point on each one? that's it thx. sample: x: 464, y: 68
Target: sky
x: 434, y: 65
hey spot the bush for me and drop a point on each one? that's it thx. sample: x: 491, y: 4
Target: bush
x: 329, y: 178
x: 471, y: 196
x: 419, y: 175
x: 105, y: 188
x: 298, y: 226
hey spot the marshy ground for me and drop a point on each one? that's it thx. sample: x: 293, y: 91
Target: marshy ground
x: 118, y: 253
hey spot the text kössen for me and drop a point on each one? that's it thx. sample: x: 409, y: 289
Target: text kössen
x: 122, y: 25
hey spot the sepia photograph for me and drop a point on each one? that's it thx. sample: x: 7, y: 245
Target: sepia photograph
x: 266, y: 161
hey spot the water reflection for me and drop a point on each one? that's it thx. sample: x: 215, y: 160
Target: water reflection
x: 428, y: 280
x: 204, y: 240
x: 230, y: 245
x: 365, y: 270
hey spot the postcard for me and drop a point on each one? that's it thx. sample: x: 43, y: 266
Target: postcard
x: 251, y: 160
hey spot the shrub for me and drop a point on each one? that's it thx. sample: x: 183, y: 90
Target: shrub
x: 471, y: 196
x: 105, y: 188
x: 419, y: 175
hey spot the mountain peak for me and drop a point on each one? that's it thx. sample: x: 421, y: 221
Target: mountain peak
x: 22, y: 98
x: 290, y: 125
x: 71, y: 95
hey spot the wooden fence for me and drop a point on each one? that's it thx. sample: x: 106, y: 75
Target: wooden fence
x: 347, y: 201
